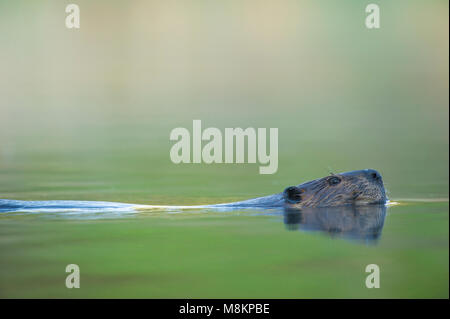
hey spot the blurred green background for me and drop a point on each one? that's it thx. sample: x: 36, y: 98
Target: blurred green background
x: 86, y: 114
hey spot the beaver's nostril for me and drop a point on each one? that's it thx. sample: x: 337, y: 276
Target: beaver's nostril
x: 293, y: 193
x: 290, y: 189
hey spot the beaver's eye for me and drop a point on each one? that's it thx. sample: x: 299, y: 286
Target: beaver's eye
x: 334, y: 180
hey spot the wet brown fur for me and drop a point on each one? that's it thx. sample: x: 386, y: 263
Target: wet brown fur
x: 354, y: 188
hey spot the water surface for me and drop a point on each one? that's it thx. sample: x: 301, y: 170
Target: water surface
x: 245, y: 254
x: 86, y: 115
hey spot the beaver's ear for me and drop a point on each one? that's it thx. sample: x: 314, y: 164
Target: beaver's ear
x: 293, y: 194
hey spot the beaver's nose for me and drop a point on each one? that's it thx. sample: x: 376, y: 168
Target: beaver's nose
x: 293, y: 194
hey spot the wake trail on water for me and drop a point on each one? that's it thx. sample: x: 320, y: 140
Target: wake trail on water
x: 95, y: 209
x: 50, y: 206
x: 67, y: 206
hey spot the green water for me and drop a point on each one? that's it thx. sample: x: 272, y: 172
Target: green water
x: 222, y: 255
x: 86, y: 114
x: 212, y: 255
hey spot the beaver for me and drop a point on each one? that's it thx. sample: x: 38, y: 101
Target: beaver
x: 356, y: 187
x: 360, y: 187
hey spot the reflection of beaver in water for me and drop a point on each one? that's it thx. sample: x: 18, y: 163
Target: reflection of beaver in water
x: 351, y: 221
x: 361, y: 187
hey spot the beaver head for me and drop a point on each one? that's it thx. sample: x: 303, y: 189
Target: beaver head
x: 351, y: 188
